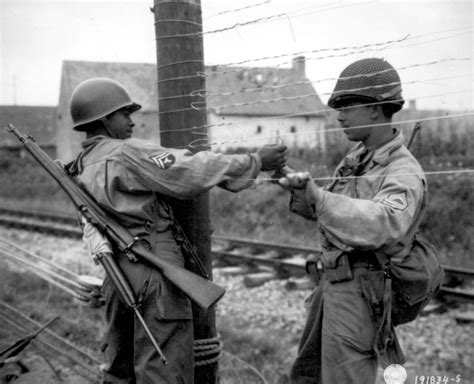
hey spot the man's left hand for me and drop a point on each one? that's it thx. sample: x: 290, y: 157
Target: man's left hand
x: 297, y: 180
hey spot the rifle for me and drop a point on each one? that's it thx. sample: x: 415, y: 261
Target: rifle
x: 21, y: 344
x: 126, y: 292
x: 416, y: 128
x: 202, y: 291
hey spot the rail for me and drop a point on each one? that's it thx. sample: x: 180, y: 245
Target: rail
x: 284, y: 260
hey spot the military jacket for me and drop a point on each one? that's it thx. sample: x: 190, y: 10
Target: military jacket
x: 376, y: 200
x: 129, y: 177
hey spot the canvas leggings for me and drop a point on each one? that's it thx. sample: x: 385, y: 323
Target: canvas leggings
x: 337, y: 342
x: 130, y: 356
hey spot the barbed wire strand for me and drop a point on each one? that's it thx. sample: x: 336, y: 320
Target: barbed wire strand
x: 391, y: 44
x: 373, y: 48
x: 238, y: 9
x: 203, y: 93
x: 194, y: 105
x: 297, y: 114
x: 357, y: 49
x: 314, y: 94
x: 236, y: 25
x: 195, y: 144
x: 180, y: 62
x: 255, y: 21
x: 178, y: 21
x: 411, y: 37
x: 427, y: 173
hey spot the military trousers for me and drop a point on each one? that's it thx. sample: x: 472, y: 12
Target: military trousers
x: 130, y: 356
x: 337, y: 342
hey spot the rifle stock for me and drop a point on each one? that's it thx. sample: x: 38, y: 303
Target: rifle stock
x: 202, y: 291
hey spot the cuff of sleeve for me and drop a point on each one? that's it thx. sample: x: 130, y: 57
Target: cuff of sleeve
x: 258, y: 161
x: 315, y: 197
x: 300, y: 206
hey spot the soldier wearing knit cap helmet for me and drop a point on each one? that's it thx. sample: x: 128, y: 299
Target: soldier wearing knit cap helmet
x: 374, y: 204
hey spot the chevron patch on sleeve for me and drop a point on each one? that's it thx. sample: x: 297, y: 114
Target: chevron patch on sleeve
x: 164, y: 160
x: 396, y: 200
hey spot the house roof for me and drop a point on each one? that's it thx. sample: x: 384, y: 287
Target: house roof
x: 249, y: 86
x: 265, y: 91
x: 37, y: 121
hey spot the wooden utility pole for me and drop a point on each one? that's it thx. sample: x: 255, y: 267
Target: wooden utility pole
x: 179, y: 41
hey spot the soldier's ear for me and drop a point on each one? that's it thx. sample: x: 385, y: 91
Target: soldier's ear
x: 375, y: 111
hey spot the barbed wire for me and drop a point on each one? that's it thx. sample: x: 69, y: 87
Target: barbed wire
x: 372, y: 48
x: 356, y: 50
x: 236, y: 25
x: 178, y: 21
x: 203, y: 93
x: 180, y: 62
x: 297, y: 13
x: 194, y: 105
x: 203, y: 74
x: 408, y: 37
x: 391, y: 44
x: 250, y: 22
x: 197, y: 143
x: 314, y: 94
x: 427, y: 173
x: 238, y: 9
x: 195, y: 129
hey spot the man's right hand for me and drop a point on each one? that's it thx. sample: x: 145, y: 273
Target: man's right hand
x: 272, y: 156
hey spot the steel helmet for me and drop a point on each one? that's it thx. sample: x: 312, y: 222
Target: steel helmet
x: 369, y: 80
x: 96, y: 98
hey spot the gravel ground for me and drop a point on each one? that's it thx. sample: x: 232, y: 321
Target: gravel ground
x: 435, y: 345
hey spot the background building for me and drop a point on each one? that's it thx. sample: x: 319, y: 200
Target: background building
x: 246, y: 107
x: 38, y: 122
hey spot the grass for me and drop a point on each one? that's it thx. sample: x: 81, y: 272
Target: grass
x: 261, y: 213
x: 247, y: 359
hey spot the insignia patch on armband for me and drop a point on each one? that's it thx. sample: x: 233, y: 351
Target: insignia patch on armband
x: 396, y: 200
x: 164, y: 160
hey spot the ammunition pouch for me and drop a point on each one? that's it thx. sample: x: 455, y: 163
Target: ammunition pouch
x: 335, y: 264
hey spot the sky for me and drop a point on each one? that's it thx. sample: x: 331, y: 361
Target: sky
x: 429, y: 41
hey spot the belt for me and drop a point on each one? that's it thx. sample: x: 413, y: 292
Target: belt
x: 363, y: 260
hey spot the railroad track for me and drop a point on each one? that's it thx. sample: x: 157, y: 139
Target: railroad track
x: 260, y: 261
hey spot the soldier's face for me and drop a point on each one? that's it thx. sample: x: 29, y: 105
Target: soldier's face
x: 356, y: 120
x: 121, y: 124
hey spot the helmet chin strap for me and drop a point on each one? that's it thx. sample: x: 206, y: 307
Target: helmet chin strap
x: 110, y: 132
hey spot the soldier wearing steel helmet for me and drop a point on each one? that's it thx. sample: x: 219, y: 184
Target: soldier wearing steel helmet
x: 130, y: 178
x: 373, y: 205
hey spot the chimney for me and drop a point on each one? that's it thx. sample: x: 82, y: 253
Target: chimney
x: 299, y: 64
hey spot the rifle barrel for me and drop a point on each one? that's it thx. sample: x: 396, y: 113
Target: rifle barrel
x: 21, y: 344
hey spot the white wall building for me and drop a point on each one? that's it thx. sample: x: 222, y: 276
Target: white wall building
x: 246, y: 107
